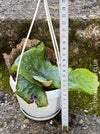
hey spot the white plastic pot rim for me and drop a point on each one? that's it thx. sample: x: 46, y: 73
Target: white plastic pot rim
x: 51, y: 93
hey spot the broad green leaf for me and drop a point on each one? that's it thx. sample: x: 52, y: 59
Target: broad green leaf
x: 43, y: 81
x: 34, y: 64
x: 83, y: 80
x: 31, y: 92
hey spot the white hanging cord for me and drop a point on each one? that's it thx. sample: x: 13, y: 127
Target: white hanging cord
x: 51, y: 29
x: 53, y: 37
x: 50, y: 21
x: 34, y: 17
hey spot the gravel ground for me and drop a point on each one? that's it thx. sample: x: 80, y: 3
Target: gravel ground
x: 13, y: 121
x: 24, y: 9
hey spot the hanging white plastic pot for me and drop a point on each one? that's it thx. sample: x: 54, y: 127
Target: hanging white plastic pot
x: 54, y: 96
x: 44, y: 113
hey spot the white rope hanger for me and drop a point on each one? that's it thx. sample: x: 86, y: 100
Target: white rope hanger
x: 52, y: 33
x: 53, y: 37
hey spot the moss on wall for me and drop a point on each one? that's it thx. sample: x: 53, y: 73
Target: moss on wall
x: 84, y: 58
x: 4, y: 79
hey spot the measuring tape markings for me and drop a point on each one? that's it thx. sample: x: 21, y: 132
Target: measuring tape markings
x: 64, y: 60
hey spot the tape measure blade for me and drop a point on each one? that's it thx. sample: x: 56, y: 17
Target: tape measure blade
x: 64, y: 60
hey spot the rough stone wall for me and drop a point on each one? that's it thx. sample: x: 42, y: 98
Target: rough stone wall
x: 24, y: 9
x: 15, y: 19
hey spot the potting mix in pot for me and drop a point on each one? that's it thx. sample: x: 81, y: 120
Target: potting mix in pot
x: 38, y: 74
